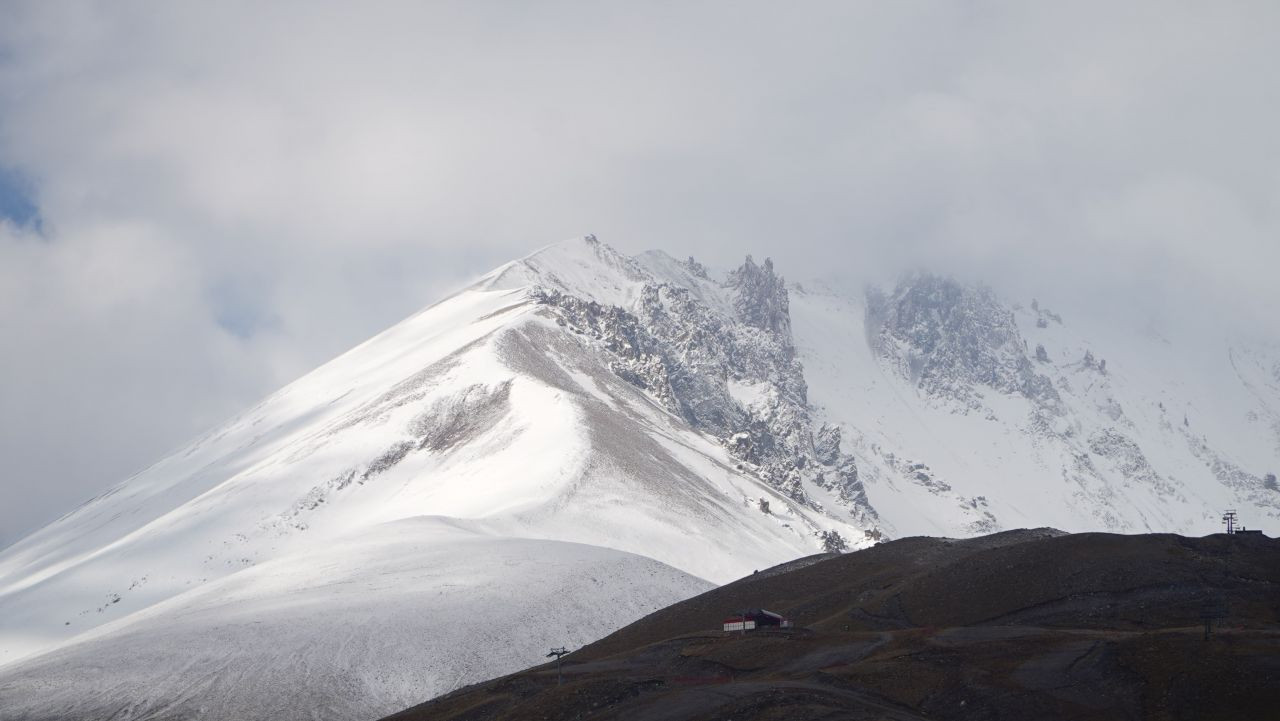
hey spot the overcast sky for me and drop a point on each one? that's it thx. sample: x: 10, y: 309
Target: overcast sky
x: 201, y: 201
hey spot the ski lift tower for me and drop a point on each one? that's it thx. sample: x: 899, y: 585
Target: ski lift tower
x: 558, y: 652
x: 1213, y: 609
x: 1229, y: 519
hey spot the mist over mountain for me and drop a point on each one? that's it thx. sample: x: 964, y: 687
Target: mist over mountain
x: 200, y: 203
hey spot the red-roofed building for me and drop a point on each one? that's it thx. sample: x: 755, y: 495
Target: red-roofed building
x: 756, y: 618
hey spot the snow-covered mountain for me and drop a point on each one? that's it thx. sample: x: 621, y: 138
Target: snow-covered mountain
x: 575, y: 499
x: 580, y: 437
x: 968, y: 414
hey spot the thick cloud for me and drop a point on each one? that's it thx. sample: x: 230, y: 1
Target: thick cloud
x: 229, y: 193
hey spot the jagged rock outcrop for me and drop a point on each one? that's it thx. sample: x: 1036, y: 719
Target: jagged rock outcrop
x: 736, y: 379
x: 952, y: 340
x: 1128, y: 459
x: 760, y: 298
x: 826, y: 444
x: 697, y: 269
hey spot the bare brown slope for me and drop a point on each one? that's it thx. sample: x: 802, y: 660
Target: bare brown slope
x: 1023, y: 624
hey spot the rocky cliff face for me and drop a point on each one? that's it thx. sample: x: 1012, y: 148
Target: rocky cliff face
x: 1057, y: 416
x: 952, y: 340
x: 719, y: 351
x: 760, y: 298
x: 734, y: 378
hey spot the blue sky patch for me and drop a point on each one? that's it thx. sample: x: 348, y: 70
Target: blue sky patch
x: 240, y: 307
x: 17, y: 199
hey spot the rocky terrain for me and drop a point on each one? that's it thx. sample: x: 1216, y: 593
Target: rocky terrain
x: 1015, y: 625
x: 962, y: 409
x: 732, y: 376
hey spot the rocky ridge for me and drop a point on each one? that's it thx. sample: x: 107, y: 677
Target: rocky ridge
x: 962, y: 349
x: 734, y: 378
x: 952, y: 340
x: 718, y: 350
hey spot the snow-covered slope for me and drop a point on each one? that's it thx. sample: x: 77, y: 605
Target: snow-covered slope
x: 397, y: 613
x: 969, y: 414
x: 485, y: 407
x: 626, y: 429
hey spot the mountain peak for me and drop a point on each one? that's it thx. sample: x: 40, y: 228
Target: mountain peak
x: 582, y: 266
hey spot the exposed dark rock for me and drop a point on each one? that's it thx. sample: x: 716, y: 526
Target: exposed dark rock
x: 460, y: 417
x: 685, y: 355
x: 760, y: 298
x: 699, y: 270
x: 1128, y: 459
x: 952, y: 340
x: 833, y: 542
x: 389, y: 458
x: 826, y: 444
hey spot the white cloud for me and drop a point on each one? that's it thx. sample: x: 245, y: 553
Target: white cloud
x: 233, y: 192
